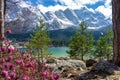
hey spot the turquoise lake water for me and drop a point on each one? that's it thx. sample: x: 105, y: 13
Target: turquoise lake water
x: 55, y: 51
x: 58, y: 51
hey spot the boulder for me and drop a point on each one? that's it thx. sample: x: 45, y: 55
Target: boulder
x: 63, y: 58
x: 100, y: 70
x: 77, y: 64
x: 105, y: 67
x: 51, y: 60
x: 90, y: 62
x: 69, y: 68
x: 70, y: 73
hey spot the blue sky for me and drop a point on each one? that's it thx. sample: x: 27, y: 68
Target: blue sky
x: 48, y: 3
x: 103, y: 6
x: 94, y: 6
x: 53, y: 3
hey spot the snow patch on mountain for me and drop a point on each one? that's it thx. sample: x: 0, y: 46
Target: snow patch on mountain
x: 23, y: 17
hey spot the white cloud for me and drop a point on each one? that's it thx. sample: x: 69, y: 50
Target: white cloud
x: 107, y: 3
x: 51, y: 8
x: 57, y: 7
x: 77, y: 2
x: 72, y: 4
x: 107, y: 11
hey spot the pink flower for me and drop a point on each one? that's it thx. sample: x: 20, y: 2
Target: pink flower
x: 3, y: 48
x: 12, y: 75
x: 23, y: 52
x: 12, y: 67
x: 8, y: 78
x: 7, y: 59
x: 5, y: 73
x: 43, y: 66
x: 2, y: 60
x: 18, y: 62
x: 6, y: 65
x: 31, y: 64
x: 1, y: 67
x: 22, y: 65
x: 52, y: 78
x: 10, y: 57
x: 8, y: 31
x: 28, y: 59
x: 3, y: 38
x: 45, y: 74
x: 26, y: 78
x: 56, y: 76
x: 10, y: 50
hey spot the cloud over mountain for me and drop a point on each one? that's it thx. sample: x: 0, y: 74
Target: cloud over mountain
x: 27, y: 13
x: 53, y: 5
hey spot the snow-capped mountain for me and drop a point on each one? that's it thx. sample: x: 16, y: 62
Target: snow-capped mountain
x: 22, y: 17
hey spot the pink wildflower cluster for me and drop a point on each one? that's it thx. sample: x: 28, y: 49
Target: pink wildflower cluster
x: 8, y: 31
x: 46, y: 73
x: 16, y: 65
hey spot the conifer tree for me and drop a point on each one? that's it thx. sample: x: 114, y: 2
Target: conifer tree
x: 104, y: 46
x: 101, y: 47
x: 81, y: 43
x: 109, y: 37
x: 40, y: 40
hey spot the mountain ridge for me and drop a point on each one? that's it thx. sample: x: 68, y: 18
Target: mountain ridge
x: 22, y: 17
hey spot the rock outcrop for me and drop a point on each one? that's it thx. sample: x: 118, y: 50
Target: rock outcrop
x: 101, y: 70
x: 67, y: 67
x: 90, y: 62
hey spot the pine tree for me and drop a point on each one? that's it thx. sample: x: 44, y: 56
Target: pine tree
x: 104, y: 46
x: 40, y: 40
x: 109, y: 37
x: 81, y: 43
x: 101, y: 47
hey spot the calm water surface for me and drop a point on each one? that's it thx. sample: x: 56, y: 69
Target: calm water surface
x: 55, y: 51
x: 58, y: 51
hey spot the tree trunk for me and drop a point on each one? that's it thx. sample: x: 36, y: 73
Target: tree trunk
x: 1, y: 18
x: 116, y: 30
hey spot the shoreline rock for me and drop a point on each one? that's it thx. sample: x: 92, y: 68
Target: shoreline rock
x: 68, y: 68
x: 100, y: 70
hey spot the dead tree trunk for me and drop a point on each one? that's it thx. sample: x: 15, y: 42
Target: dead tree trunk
x: 116, y: 30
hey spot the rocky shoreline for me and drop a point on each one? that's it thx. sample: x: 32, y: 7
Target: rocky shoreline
x: 72, y: 69
x: 75, y: 69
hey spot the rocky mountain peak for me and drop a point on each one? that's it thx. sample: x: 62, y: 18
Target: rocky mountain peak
x: 22, y: 17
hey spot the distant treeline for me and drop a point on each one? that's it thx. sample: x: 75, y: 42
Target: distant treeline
x: 59, y: 37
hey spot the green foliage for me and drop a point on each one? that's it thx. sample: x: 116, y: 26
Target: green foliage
x: 81, y: 43
x: 59, y: 37
x: 101, y: 47
x: 40, y: 40
x: 104, y: 46
x: 109, y: 43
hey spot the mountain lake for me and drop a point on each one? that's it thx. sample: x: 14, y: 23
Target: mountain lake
x: 55, y: 51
